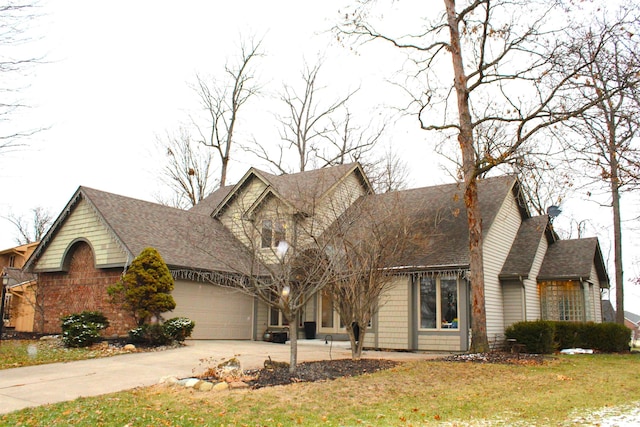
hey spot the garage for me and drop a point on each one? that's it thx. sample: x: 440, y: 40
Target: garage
x: 220, y: 313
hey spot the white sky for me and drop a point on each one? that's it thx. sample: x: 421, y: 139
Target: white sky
x: 117, y: 76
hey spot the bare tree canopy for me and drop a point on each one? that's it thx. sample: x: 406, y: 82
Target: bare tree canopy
x: 187, y: 171
x: 222, y: 100
x: 604, y: 141
x: 316, y: 132
x: 31, y: 229
x: 15, y: 20
x: 493, y: 75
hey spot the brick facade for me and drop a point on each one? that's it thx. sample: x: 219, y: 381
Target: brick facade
x: 82, y: 287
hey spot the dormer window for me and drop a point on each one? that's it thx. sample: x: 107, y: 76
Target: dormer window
x: 273, y: 232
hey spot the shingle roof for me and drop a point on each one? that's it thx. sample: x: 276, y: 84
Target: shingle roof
x: 523, y: 251
x: 211, y: 202
x: 438, y: 212
x: 572, y: 260
x: 301, y: 190
x: 183, y: 238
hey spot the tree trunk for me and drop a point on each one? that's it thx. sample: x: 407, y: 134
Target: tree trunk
x: 479, y: 340
x: 617, y: 228
x: 293, y: 340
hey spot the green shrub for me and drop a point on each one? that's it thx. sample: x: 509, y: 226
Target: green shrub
x: 179, y: 328
x: 605, y: 337
x: 537, y: 337
x: 150, y: 334
x: 83, y: 329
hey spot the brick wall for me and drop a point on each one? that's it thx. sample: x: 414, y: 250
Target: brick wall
x: 82, y: 287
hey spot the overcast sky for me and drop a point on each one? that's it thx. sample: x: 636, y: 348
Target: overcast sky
x: 117, y: 75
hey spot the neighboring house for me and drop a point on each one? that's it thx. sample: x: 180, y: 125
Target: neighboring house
x: 19, y: 305
x: 529, y: 273
x: 632, y: 321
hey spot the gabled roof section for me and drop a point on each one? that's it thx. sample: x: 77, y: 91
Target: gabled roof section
x: 300, y: 190
x: 438, y: 213
x: 523, y: 251
x: 572, y: 260
x: 209, y: 204
x: 177, y: 234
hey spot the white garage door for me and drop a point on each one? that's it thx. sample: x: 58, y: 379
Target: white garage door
x: 220, y: 313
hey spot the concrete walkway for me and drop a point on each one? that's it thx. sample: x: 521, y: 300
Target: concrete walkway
x: 38, y: 385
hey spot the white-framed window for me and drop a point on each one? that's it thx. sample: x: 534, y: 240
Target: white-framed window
x: 438, y: 303
x: 273, y: 232
x: 562, y: 300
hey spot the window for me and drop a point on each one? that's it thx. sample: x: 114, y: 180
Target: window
x: 438, y: 303
x: 562, y: 301
x: 276, y: 318
x: 273, y: 232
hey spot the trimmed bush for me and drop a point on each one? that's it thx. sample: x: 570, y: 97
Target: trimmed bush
x: 537, y: 337
x: 605, y: 337
x: 83, y: 329
x: 151, y: 334
x: 179, y: 328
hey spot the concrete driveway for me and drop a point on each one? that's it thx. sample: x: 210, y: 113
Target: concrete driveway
x: 38, y: 385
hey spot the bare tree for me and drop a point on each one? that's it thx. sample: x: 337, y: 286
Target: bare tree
x: 284, y: 262
x: 510, y: 67
x: 607, y: 134
x: 31, y: 229
x: 375, y: 236
x: 222, y: 99
x: 316, y: 132
x: 15, y: 18
x: 387, y: 173
x: 187, y: 170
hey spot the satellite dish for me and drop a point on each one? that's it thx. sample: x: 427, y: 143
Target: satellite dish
x: 553, y: 211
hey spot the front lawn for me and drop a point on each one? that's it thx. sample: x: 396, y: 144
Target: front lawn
x: 18, y: 353
x: 418, y: 393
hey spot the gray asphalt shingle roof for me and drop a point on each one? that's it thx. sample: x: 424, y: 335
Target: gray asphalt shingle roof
x: 438, y: 212
x: 572, y: 260
x: 524, y: 248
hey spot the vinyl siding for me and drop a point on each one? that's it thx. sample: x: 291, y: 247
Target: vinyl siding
x: 393, y: 316
x: 513, y: 297
x: 497, y: 244
x: 337, y: 200
x: 532, y: 292
x: 83, y: 222
x: 233, y: 216
x: 440, y: 341
x: 596, y: 299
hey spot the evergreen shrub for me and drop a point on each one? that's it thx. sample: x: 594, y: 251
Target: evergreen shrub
x: 83, y: 329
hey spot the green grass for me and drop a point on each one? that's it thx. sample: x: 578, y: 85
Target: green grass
x: 419, y: 393
x: 17, y: 353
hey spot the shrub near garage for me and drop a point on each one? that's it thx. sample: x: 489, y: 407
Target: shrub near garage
x: 176, y: 329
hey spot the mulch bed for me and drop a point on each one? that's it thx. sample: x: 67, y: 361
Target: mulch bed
x: 317, y: 371
x: 505, y: 358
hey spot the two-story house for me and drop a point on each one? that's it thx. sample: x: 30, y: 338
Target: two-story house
x: 529, y: 273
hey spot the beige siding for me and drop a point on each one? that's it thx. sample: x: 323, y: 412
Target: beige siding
x: 497, y: 245
x: 513, y: 297
x: 393, y: 316
x: 336, y: 201
x: 262, y: 319
x: 83, y: 222
x: 439, y: 342
x: 532, y: 292
x: 233, y: 216
x: 596, y: 298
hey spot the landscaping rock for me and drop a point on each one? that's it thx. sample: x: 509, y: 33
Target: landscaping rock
x: 169, y: 380
x: 130, y: 347
x: 221, y: 386
x: 190, y: 382
x: 204, y: 386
